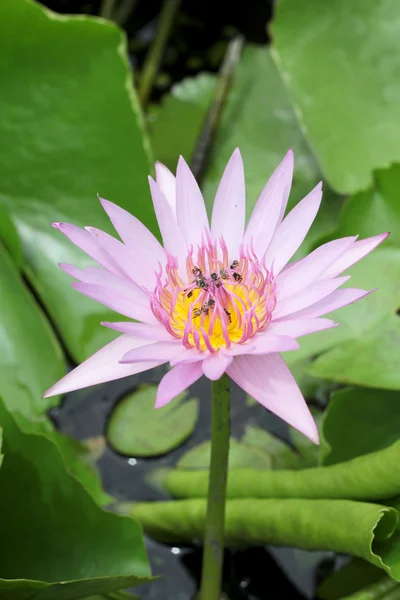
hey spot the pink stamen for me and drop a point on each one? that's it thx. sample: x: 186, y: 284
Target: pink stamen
x: 208, y: 312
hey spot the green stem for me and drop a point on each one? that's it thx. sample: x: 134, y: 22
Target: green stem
x: 210, y: 588
x: 123, y: 11
x: 107, y: 9
x: 211, y: 124
x: 153, y: 58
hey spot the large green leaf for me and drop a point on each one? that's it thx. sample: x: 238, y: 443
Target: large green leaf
x: 340, y: 525
x: 369, y: 477
x: 30, y: 355
x: 365, y: 349
x: 340, y: 61
x: 176, y: 124
x: 375, y: 210
x: 56, y: 542
x: 70, y: 127
x: 136, y: 429
x: 359, y: 421
x: 76, y: 455
x: 9, y: 236
x: 260, y: 119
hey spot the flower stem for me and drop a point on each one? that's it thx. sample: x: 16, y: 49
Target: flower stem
x: 154, y: 57
x: 210, y: 588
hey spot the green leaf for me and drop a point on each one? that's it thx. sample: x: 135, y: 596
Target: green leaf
x: 359, y: 421
x: 30, y: 356
x: 241, y: 455
x: 260, y: 120
x: 78, y: 548
x: 369, y: 477
x: 352, y: 577
x: 340, y: 62
x: 75, y: 454
x: 308, y: 524
x: 374, y: 210
x: 281, y: 455
x: 176, y: 124
x: 137, y: 429
x: 9, y: 237
x: 365, y: 349
x: 67, y: 85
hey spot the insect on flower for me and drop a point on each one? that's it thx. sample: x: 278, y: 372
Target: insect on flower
x: 215, y: 298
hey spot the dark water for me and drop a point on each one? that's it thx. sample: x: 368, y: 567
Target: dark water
x: 254, y: 574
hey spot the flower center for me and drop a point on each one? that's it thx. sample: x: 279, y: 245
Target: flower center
x: 222, y: 302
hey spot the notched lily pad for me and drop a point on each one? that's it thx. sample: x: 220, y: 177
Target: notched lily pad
x: 136, y: 428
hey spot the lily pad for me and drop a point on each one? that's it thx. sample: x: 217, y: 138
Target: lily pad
x: 67, y: 85
x: 79, y: 549
x: 31, y: 358
x: 374, y: 476
x: 137, y: 429
x: 9, y: 237
x: 365, y: 349
x: 263, y: 141
x: 318, y: 525
x: 358, y: 421
x: 351, y: 122
x: 176, y: 124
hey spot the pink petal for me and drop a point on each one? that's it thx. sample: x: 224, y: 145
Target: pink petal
x: 133, y: 233
x: 172, y: 236
x: 141, y: 330
x: 296, y: 328
x: 103, y: 366
x: 190, y: 208
x: 176, y: 381
x: 268, y: 380
x: 312, y: 294
x: 164, y: 351
x: 123, y: 304
x: 215, y: 365
x: 291, y: 232
x: 270, y: 207
x: 139, y: 267
x: 335, y: 300
x: 228, y: 216
x: 355, y: 253
x: 167, y: 184
x: 89, y: 245
x: 263, y: 343
x: 310, y: 268
x: 114, y: 283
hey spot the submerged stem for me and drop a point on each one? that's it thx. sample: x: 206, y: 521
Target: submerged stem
x: 214, y: 528
x: 153, y: 59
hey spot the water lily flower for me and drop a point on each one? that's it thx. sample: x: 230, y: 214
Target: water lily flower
x: 214, y: 298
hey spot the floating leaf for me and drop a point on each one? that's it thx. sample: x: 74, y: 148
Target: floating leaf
x: 78, y: 548
x: 263, y: 141
x: 374, y: 210
x: 369, y: 477
x: 359, y: 421
x: 67, y: 86
x: 30, y: 356
x: 308, y: 524
x: 351, y: 121
x: 176, y: 124
x: 9, y: 237
x: 365, y: 349
x: 352, y: 577
x: 136, y: 428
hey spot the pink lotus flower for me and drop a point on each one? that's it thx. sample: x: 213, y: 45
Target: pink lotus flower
x: 215, y: 298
